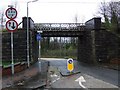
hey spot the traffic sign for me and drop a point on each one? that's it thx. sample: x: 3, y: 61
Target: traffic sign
x: 11, y: 25
x: 11, y: 13
x: 38, y: 36
x: 70, y: 64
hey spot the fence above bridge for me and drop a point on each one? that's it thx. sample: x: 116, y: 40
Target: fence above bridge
x: 59, y: 26
x: 92, y: 24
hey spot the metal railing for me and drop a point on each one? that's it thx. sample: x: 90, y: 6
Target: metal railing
x: 59, y: 26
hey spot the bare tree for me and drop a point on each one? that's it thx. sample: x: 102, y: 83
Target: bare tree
x: 111, y: 14
x: 104, y: 12
x: 76, y: 18
x: 15, y: 4
x: 2, y: 20
x: 115, y: 15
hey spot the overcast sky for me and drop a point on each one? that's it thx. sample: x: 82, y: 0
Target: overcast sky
x: 55, y: 11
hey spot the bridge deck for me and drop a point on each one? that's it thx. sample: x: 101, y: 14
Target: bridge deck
x: 59, y: 26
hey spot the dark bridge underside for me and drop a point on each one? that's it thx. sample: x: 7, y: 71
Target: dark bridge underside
x: 62, y: 34
x: 84, y: 32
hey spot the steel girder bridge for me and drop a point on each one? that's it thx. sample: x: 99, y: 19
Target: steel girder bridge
x: 60, y: 29
x: 84, y: 32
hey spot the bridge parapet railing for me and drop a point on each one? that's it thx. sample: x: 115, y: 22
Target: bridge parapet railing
x: 57, y: 26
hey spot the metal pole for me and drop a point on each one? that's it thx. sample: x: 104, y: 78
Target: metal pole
x: 39, y: 55
x: 60, y: 44
x: 39, y: 49
x: 28, y: 55
x: 12, y: 53
x: 28, y: 61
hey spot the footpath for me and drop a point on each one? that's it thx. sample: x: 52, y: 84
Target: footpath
x: 32, y: 78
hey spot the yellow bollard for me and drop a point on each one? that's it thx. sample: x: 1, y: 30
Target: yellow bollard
x: 70, y: 65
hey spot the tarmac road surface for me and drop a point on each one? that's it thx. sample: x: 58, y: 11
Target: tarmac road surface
x: 94, y: 77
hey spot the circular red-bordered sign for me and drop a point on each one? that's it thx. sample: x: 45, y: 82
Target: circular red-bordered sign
x: 11, y: 13
x: 11, y: 25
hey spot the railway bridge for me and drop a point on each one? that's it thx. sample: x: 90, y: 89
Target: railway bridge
x: 84, y: 31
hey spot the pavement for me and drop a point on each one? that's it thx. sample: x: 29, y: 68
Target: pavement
x: 33, y: 77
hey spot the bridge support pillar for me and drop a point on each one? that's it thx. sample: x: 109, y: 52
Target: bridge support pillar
x: 86, y: 47
x: 34, y: 46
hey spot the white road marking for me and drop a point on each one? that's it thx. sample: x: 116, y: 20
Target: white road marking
x: 58, y: 78
x: 54, y: 81
x: 55, y: 75
x: 80, y: 80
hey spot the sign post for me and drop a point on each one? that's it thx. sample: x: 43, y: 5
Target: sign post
x: 38, y: 37
x: 12, y: 52
x: 11, y: 26
x: 70, y: 65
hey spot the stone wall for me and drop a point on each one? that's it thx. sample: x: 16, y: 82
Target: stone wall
x: 20, y: 46
x: 34, y: 46
x: 85, y: 53
x: 107, y: 46
x: 98, y: 46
